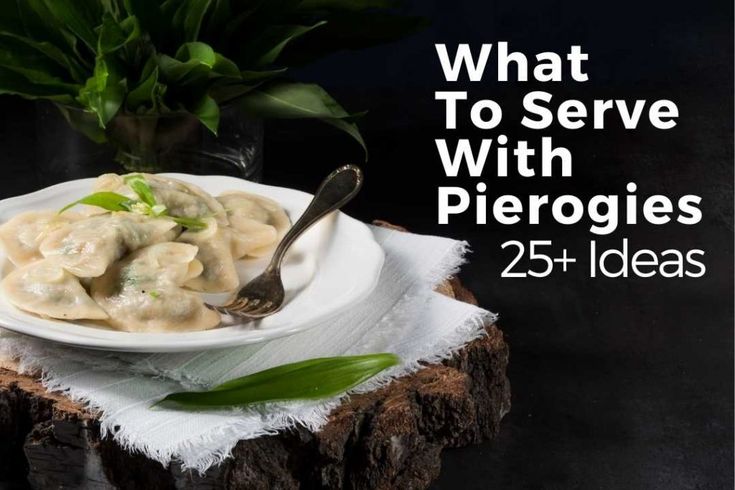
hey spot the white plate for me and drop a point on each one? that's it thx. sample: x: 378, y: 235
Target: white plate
x: 332, y: 267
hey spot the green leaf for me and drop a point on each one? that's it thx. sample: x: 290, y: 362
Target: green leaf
x: 189, y: 16
x: 189, y: 223
x: 84, y: 122
x: 41, y: 25
x: 80, y: 17
x: 103, y: 93
x: 225, y: 67
x: 226, y: 89
x: 145, y: 92
x: 114, y: 36
x: 299, y: 101
x: 35, y: 65
x: 207, y: 111
x: 197, y: 51
x: 152, y: 20
x: 265, y: 48
x: 53, y: 53
x: 16, y: 84
x: 227, y: 92
x: 307, y: 380
x: 261, y: 76
x: 139, y: 185
x: 285, y: 100
x: 220, y: 15
x: 191, y: 67
x: 106, y: 200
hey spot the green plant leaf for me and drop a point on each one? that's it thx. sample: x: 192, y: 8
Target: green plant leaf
x: 197, y: 51
x: 139, y: 185
x: 16, y: 84
x: 110, y: 201
x: 41, y: 25
x: 225, y: 67
x: 220, y: 14
x: 285, y: 100
x: 314, y: 379
x: 299, y: 101
x: 207, y: 111
x: 261, y: 76
x: 189, y: 16
x: 84, y: 122
x: 53, y: 53
x: 103, y: 93
x: 35, y: 65
x: 114, y: 36
x: 225, y: 89
x: 267, y: 45
x: 227, y: 92
x: 145, y: 92
x: 191, y: 67
x: 79, y: 16
x: 151, y: 18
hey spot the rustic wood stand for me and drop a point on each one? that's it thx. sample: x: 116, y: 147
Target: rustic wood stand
x: 390, y: 438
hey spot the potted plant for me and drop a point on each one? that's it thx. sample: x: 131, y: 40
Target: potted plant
x: 158, y: 81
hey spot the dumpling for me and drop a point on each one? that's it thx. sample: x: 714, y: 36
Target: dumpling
x: 180, y: 198
x: 258, y: 223
x: 45, y: 288
x: 22, y: 235
x: 87, y: 247
x: 143, y: 293
x: 215, y: 254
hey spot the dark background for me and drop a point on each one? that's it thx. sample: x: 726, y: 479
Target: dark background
x: 617, y: 383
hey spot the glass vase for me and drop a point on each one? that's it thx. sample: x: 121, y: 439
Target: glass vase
x: 70, y: 145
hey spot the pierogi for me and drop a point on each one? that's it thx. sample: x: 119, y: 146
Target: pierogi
x: 45, y: 288
x: 137, y: 259
x: 88, y: 246
x: 256, y: 222
x: 21, y: 236
x: 144, y: 292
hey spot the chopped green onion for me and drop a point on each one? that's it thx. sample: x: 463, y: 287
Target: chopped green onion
x: 141, y: 188
x: 158, y: 210
x: 306, y: 380
x: 189, y: 223
x: 110, y: 201
x: 147, y: 206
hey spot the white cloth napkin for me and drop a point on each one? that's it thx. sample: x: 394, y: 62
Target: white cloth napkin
x: 403, y: 315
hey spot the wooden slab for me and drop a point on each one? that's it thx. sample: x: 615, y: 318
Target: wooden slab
x: 390, y: 438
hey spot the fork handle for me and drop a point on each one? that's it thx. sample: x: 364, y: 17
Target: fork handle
x: 334, y: 192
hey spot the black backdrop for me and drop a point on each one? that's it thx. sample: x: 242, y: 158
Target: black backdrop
x: 617, y: 383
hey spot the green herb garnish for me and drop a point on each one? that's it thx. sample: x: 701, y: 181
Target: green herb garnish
x: 313, y: 379
x: 141, y: 188
x: 189, y: 223
x: 154, y: 294
x: 110, y: 201
x: 147, y: 204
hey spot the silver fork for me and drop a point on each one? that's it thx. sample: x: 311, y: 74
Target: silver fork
x: 264, y: 295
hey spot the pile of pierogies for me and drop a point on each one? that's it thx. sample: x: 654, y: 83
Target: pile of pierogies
x: 136, y: 272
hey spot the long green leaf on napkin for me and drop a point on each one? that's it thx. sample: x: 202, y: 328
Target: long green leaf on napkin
x: 306, y: 380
